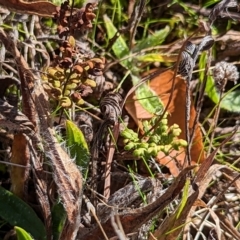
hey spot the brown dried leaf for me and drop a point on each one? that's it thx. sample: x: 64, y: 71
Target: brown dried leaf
x: 171, y: 160
x: 21, y: 156
x: 200, y: 203
x: 162, y: 85
x: 40, y: 8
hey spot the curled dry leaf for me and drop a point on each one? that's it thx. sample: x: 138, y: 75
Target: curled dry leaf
x: 162, y: 85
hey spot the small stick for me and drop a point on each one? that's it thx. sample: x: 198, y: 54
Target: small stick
x: 201, y: 96
x: 117, y: 226
x: 107, y: 181
x: 216, y: 115
x: 92, y: 209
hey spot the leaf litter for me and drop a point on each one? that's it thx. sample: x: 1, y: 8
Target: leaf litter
x: 120, y: 196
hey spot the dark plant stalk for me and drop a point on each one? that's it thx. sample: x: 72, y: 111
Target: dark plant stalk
x: 201, y: 96
x: 216, y: 116
x: 189, y: 57
x: 64, y: 88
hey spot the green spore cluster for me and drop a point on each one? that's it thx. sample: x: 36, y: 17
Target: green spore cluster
x: 162, y: 138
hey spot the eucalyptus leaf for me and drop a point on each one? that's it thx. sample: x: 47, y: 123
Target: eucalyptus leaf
x: 22, y: 234
x: 17, y: 213
x: 77, y: 145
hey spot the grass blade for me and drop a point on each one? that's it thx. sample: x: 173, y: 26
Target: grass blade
x: 184, y: 198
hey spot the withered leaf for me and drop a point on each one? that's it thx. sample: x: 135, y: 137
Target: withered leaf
x: 131, y: 220
x: 40, y: 8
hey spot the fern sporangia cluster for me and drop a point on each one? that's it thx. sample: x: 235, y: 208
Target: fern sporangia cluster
x: 162, y: 139
x: 70, y: 20
x: 71, y: 76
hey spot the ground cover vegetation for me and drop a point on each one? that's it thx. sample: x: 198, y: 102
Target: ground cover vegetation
x: 119, y: 119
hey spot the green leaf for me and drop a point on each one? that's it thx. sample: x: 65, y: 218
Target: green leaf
x: 17, y: 213
x: 58, y: 220
x: 152, y: 40
x: 231, y: 99
x: 119, y: 47
x: 210, y: 3
x: 149, y: 100
x: 77, y: 145
x: 22, y: 234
